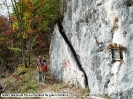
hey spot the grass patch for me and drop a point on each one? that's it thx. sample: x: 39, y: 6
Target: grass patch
x: 54, y: 88
x: 23, y: 80
x: 57, y: 86
x: 30, y: 87
x: 107, y: 96
x: 21, y: 68
x: 87, y: 89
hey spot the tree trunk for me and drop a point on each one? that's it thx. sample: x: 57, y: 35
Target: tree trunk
x: 21, y: 28
x: 29, y: 50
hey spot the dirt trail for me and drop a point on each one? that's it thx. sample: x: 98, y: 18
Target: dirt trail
x: 53, y: 86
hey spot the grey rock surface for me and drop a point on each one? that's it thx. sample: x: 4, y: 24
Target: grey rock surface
x: 5, y: 7
x: 110, y: 21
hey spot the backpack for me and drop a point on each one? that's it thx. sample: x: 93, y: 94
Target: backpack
x: 45, y: 68
x: 43, y: 61
x: 40, y: 68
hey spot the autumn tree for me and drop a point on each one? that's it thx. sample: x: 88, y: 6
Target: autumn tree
x: 18, y: 25
x: 34, y: 20
x: 45, y: 15
x: 6, y: 33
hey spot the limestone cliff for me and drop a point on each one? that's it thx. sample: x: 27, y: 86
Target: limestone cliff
x: 5, y: 7
x: 90, y: 26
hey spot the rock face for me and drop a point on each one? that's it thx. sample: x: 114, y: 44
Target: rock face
x: 5, y: 7
x: 91, y: 25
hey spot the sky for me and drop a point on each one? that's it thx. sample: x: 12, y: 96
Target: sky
x: 3, y: 7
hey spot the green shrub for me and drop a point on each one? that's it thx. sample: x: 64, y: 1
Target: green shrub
x: 107, y: 96
x: 30, y: 87
x: 87, y: 89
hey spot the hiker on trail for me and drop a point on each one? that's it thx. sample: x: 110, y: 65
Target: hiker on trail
x: 43, y: 62
x: 38, y: 61
x: 40, y: 58
x: 39, y: 69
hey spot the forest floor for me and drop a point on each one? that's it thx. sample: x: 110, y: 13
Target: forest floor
x: 25, y: 81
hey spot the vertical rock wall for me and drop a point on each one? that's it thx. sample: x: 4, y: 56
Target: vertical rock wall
x: 4, y: 6
x: 108, y: 22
